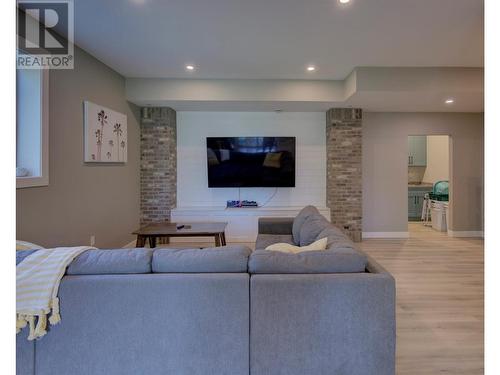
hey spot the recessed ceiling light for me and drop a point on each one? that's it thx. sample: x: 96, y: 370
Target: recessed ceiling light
x: 190, y: 67
x: 449, y: 101
x: 311, y: 68
x: 344, y: 1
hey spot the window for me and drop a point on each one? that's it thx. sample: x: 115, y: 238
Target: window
x: 32, y: 128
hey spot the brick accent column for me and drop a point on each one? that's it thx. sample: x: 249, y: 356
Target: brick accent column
x: 344, y: 185
x: 158, y: 164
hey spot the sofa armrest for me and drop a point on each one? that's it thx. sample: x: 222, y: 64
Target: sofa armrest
x: 375, y: 268
x: 275, y: 225
x: 323, y: 324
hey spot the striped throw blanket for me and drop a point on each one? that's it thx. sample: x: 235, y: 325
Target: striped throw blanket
x: 37, y: 283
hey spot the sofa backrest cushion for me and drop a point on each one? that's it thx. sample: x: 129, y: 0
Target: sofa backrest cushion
x: 312, y: 227
x: 340, y: 260
x: 335, y: 238
x: 115, y: 261
x: 233, y: 258
x: 299, y: 221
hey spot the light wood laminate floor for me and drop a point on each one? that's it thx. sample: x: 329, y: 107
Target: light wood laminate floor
x: 440, y: 300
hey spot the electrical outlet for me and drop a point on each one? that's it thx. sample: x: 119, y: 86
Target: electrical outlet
x: 92, y: 240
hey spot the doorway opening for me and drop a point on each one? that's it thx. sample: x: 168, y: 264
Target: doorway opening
x: 429, y: 166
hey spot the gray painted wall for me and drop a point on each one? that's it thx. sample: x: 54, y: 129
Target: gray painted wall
x: 385, y: 170
x: 83, y: 200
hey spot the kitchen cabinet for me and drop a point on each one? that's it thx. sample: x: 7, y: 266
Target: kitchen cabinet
x: 417, y: 150
x: 416, y: 202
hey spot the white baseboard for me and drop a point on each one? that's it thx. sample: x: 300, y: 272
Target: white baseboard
x: 466, y: 233
x: 367, y: 235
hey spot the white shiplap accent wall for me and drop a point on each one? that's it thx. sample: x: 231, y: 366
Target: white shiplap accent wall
x: 194, y: 127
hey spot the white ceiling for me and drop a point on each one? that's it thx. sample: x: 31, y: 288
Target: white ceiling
x: 277, y: 39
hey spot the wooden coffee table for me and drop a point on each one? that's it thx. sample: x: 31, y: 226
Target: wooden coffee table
x: 166, y: 230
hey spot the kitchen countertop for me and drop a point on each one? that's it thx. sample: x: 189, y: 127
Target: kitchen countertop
x: 422, y: 186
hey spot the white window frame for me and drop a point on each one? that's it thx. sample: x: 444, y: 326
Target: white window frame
x: 43, y: 179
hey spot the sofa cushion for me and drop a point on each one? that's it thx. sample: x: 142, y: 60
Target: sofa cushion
x: 288, y: 248
x: 116, y: 261
x: 322, y: 261
x: 336, y: 238
x: 233, y: 258
x: 311, y: 228
x: 300, y: 219
x: 275, y: 225
x: 265, y: 240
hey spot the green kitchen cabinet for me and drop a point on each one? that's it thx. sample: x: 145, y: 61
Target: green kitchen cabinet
x: 417, y: 150
x: 416, y: 202
x: 412, y: 207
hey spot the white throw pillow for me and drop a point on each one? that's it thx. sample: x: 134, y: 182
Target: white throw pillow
x: 287, y: 248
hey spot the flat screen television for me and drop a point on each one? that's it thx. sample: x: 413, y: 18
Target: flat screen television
x: 251, y: 162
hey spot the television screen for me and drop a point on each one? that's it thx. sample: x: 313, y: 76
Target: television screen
x: 251, y: 161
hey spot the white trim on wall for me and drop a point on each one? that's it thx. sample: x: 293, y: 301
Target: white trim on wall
x: 367, y: 235
x: 466, y: 233
x: 43, y: 179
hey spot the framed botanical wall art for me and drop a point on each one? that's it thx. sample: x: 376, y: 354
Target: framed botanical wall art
x: 105, y: 134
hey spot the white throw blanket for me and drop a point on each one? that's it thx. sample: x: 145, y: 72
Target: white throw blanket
x: 37, y: 284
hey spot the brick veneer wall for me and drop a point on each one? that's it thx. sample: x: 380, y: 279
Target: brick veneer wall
x: 158, y: 165
x: 344, y: 185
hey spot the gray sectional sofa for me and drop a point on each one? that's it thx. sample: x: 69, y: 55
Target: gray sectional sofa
x: 319, y: 312
x: 222, y: 310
